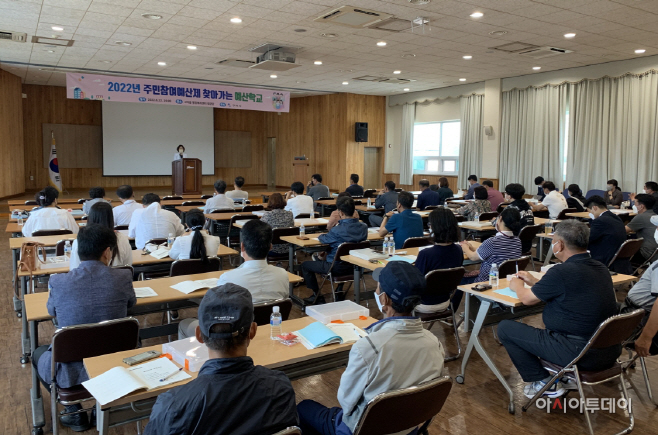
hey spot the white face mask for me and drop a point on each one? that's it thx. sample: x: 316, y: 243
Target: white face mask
x: 635, y: 209
x: 379, y: 302
x: 655, y: 236
x: 553, y: 249
x: 644, y: 191
x: 591, y: 216
x: 610, y: 188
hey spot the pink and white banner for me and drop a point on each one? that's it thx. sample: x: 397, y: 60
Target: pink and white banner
x: 140, y: 90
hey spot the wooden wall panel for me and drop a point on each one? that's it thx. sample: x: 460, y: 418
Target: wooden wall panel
x: 78, y: 146
x: 232, y: 149
x: 433, y: 179
x: 12, y: 176
x: 370, y: 109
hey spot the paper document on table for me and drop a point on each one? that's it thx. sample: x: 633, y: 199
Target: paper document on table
x: 322, y: 220
x: 207, y: 283
x: 373, y: 230
x: 405, y: 258
x: 538, y: 275
x: 152, y: 373
x: 160, y: 253
x: 348, y: 332
x: 145, y: 292
x: 507, y: 292
x: 260, y: 213
x: 188, y: 287
x: 428, y: 246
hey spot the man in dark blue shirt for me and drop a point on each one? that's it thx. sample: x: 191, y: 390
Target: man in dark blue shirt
x: 348, y: 230
x: 354, y: 189
x: 404, y: 224
x: 387, y: 200
x: 473, y: 182
x: 231, y: 395
x: 579, y: 296
x: 606, y: 235
x: 427, y: 196
x: 539, y: 182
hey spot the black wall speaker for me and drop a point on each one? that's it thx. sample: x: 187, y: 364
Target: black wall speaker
x: 361, y: 132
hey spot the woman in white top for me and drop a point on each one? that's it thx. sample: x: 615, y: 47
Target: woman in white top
x: 48, y: 216
x: 101, y: 213
x: 197, y: 244
x: 180, y: 153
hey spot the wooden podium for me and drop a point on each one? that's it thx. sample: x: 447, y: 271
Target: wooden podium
x: 300, y: 171
x: 186, y: 176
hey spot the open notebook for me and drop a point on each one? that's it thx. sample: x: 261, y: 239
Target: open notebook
x: 120, y: 381
x: 318, y: 334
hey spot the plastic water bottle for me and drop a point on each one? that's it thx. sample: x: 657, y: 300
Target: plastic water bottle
x: 20, y: 219
x: 67, y: 249
x: 302, y: 230
x: 369, y: 202
x: 391, y: 247
x: 493, y: 276
x: 548, y: 227
x: 385, y: 245
x: 275, y: 323
x: 170, y: 240
x: 477, y: 217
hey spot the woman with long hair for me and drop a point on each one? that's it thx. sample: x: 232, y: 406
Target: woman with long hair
x: 48, y: 216
x: 198, y: 244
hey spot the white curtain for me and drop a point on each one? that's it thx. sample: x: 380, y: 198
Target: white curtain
x: 531, y: 136
x: 407, y: 143
x: 470, y: 143
x: 614, y: 132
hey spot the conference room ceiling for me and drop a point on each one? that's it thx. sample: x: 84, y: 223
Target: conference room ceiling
x: 432, y: 57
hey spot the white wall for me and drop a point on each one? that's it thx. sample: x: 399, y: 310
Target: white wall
x: 491, y: 117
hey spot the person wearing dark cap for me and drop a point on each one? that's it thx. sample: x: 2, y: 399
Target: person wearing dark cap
x: 231, y: 395
x: 397, y: 353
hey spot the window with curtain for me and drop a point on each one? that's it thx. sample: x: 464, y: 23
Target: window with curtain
x: 436, y: 147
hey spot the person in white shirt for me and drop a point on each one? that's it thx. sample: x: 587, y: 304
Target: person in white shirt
x: 197, y: 244
x: 219, y: 200
x: 152, y: 222
x: 297, y: 202
x: 554, y: 201
x: 264, y: 281
x: 48, y: 216
x: 238, y: 193
x: 180, y: 153
x: 101, y: 213
x: 122, y: 213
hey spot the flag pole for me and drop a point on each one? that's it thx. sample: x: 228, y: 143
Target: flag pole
x: 55, y: 180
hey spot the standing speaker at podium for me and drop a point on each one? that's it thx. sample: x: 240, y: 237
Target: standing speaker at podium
x: 180, y: 153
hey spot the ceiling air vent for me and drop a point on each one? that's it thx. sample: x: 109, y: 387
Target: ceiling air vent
x: 353, y: 17
x: 13, y: 36
x: 52, y: 41
x: 515, y: 47
x: 392, y: 25
x: 542, y: 52
x: 238, y: 63
x: 376, y: 79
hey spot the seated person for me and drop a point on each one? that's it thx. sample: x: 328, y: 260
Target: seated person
x: 264, y: 281
x: 642, y: 226
x: 579, y: 296
x: 553, y: 201
x: 650, y: 188
x: 124, y: 212
x: 315, y: 189
x: 495, y: 197
x: 278, y: 217
x: 90, y: 293
x: 472, y: 184
x: 348, y: 230
x: 427, y: 196
x: 237, y: 193
x: 198, y: 244
x: 404, y: 223
x: 388, y: 200
x: 97, y: 194
x: 445, y: 253
x: 480, y: 205
x: 219, y: 200
x: 576, y: 199
x: 398, y: 353
x: 444, y: 190
x: 514, y: 196
x: 643, y: 295
x: 101, y: 213
x: 297, y: 202
x: 606, y: 235
x: 613, y: 195
x: 230, y: 395
x: 354, y: 189
x: 49, y: 216
x: 152, y: 222
x: 539, y: 182
x: 334, y: 217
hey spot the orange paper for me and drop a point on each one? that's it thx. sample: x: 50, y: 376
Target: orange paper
x: 336, y: 321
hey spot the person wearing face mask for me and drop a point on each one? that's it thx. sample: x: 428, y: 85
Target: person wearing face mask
x: 90, y: 293
x: 264, y: 281
x: 554, y: 201
x: 606, y: 235
x: 514, y: 196
x: 397, y: 353
x: 642, y: 226
x: 180, y: 153
x: 650, y: 188
x: 613, y: 196
x: 579, y: 295
x: 576, y: 199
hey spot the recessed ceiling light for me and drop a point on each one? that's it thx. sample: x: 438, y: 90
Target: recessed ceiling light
x: 299, y: 82
x: 498, y: 32
x: 468, y: 57
x: 273, y: 76
x: 408, y: 55
x: 346, y: 70
x: 317, y: 62
x: 191, y: 47
x: 236, y: 20
x: 536, y: 68
x: 124, y: 43
x: 50, y: 51
x: 406, y: 89
x: 105, y: 61
x: 419, y: 2
x: 569, y: 35
x: 346, y: 83
x: 477, y: 15
x: 57, y: 28
x: 162, y: 63
x: 381, y: 44
x: 152, y: 16
x: 462, y: 80
x: 397, y: 72
x: 329, y: 35
x: 640, y: 51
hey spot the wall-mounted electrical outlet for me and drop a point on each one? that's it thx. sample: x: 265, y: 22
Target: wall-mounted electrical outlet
x: 31, y: 177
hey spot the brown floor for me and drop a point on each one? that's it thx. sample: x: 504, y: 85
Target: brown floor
x: 476, y: 407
